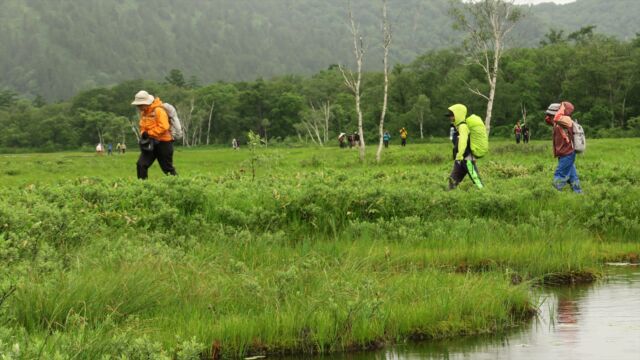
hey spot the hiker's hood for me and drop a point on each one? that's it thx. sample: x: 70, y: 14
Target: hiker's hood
x: 459, y: 112
x: 155, y: 104
x: 568, y: 108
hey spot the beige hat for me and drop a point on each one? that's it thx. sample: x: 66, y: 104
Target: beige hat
x: 143, y: 98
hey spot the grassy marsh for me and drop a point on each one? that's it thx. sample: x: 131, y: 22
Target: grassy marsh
x: 318, y: 254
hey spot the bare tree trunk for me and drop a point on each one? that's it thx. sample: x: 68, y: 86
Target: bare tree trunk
x: 191, y: 108
x: 326, y: 110
x: 386, y: 44
x: 266, y: 137
x: 493, y: 81
x: 311, y: 136
x: 209, y: 124
x: 492, y: 96
x: 354, y: 83
x: 421, y: 125
x: 624, y: 111
x: 135, y: 130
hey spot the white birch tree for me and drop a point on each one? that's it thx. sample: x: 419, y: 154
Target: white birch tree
x: 487, y: 24
x: 386, y: 44
x: 213, y: 103
x: 315, y: 123
x: 354, y: 82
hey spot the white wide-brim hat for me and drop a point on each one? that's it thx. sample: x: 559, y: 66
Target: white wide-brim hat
x: 143, y: 98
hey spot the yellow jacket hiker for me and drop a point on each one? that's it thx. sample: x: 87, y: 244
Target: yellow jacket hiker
x: 403, y: 136
x: 472, y: 143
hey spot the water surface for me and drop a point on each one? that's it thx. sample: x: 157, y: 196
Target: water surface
x: 600, y: 321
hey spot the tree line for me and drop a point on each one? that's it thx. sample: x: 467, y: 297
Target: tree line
x: 599, y: 74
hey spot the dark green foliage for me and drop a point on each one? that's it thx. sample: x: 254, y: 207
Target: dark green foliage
x: 57, y: 49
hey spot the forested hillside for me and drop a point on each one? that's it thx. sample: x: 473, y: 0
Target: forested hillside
x: 597, y: 73
x: 57, y: 48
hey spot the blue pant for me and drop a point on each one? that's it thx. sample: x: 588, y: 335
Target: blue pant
x: 566, y: 173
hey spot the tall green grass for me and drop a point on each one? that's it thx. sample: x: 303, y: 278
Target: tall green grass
x: 319, y: 254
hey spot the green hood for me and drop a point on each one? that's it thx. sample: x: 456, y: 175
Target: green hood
x: 460, y: 113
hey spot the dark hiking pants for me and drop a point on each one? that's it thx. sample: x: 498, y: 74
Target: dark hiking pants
x: 163, y: 151
x: 462, y: 169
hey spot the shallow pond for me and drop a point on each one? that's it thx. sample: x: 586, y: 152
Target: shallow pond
x: 600, y: 321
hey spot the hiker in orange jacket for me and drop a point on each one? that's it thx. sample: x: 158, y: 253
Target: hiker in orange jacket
x: 156, y: 141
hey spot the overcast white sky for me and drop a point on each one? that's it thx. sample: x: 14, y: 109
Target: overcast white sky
x: 543, y: 1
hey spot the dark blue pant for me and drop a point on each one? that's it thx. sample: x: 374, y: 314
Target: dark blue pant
x: 566, y: 173
x: 462, y: 169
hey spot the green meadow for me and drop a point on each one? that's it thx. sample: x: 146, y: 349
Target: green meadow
x: 315, y: 253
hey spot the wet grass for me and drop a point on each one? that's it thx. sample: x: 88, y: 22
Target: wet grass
x: 319, y: 254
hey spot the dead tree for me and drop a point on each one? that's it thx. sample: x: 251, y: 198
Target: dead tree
x: 134, y: 128
x: 314, y: 124
x: 487, y: 24
x: 354, y: 82
x: 209, y: 123
x: 326, y: 112
x: 386, y: 44
x: 188, y: 127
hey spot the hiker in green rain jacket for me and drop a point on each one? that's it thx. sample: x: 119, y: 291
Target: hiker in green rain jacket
x: 472, y: 144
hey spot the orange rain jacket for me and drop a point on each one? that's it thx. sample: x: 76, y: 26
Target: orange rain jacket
x: 155, y: 121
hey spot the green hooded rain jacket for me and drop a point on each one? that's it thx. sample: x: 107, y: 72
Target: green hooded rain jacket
x: 473, y: 127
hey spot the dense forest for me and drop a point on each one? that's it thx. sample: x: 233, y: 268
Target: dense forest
x: 55, y: 49
x: 599, y: 74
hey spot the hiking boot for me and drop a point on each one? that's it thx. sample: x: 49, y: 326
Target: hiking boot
x: 559, y: 184
x: 576, y: 187
x: 452, y: 184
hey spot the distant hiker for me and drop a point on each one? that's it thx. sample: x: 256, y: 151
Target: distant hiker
x: 156, y: 141
x: 472, y: 143
x: 234, y: 144
x: 123, y: 148
x: 403, y: 136
x: 356, y: 139
x: 110, y: 149
x: 119, y: 148
x: 386, y: 138
x: 526, y: 133
x: 99, y: 149
x: 342, y: 140
x: 517, y: 130
x: 559, y: 116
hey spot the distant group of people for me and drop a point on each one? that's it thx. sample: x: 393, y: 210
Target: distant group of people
x: 121, y: 148
x: 522, y: 132
x: 349, y: 140
x: 468, y: 136
x: 353, y: 139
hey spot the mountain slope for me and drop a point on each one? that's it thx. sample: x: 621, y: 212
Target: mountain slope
x: 56, y: 48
